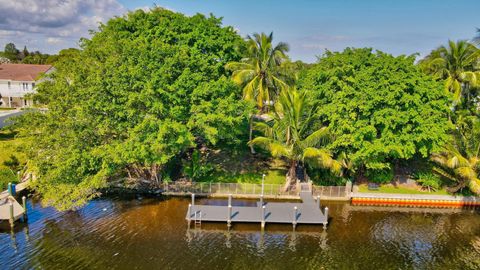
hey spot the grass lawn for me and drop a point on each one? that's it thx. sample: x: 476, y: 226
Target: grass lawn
x: 400, y: 190
x: 9, y: 145
x: 272, y: 176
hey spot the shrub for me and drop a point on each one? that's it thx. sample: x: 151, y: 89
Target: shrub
x: 429, y: 180
x: 6, y: 176
x: 379, y: 176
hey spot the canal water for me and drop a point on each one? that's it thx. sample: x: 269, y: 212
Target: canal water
x: 151, y: 233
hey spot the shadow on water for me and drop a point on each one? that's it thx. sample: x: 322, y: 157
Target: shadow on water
x: 150, y: 232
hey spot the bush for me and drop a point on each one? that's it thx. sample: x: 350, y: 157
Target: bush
x: 429, y: 180
x: 379, y: 176
x: 6, y: 176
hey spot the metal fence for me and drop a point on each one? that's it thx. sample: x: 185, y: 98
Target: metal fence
x: 330, y: 191
x: 248, y: 189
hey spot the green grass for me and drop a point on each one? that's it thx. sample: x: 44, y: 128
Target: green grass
x: 7, y: 109
x: 273, y: 176
x: 400, y: 190
x: 9, y: 145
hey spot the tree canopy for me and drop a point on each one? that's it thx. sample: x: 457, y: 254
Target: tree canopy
x: 143, y: 90
x: 378, y: 107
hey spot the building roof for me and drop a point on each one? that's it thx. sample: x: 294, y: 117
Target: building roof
x: 22, y: 72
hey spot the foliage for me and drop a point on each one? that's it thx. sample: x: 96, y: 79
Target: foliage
x: 378, y: 107
x: 381, y: 176
x: 287, y: 134
x: 12, y: 163
x: 458, y: 65
x: 25, y: 57
x: 143, y: 90
x: 258, y: 71
x: 7, y: 176
x: 459, y: 159
x: 429, y: 180
x: 389, y: 188
x: 197, y: 168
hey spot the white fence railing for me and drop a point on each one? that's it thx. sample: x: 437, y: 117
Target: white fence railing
x: 248, y: 189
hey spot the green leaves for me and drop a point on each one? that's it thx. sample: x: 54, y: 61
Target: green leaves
x: 144, y: 90
x: 377, y: 107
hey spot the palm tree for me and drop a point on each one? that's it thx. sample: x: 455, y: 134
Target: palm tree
x: 287, y: 136
x: 459, y: 160
x: 258, y: 73
x: 457, y: 64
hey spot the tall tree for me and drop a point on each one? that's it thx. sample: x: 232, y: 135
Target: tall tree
x: 11, y: 52
x: 458, y: 64
x: 287, y: 135
x: 379, y: 108
x: 144, y: 90
x: 258, y: 72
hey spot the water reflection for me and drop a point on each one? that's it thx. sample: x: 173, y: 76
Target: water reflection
x: 144, y: 234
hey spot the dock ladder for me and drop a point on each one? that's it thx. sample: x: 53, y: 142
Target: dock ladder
x: 198, y: 218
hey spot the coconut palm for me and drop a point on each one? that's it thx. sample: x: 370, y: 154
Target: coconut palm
x: 459, y: 160
x: 457, y: 64
x: 287, y: 135
x: 258, y: 72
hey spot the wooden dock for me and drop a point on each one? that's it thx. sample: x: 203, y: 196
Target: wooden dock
x: 306, y: 212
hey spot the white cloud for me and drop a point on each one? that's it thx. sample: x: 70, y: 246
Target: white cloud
x: 54, y: 40
x: 47, y: 24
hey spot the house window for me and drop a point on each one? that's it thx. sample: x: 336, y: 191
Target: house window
x: 9, y: 85
x: 33, y: 85
x: 25, y: 86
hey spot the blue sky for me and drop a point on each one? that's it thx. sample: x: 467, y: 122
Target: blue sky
x: 397, y: 27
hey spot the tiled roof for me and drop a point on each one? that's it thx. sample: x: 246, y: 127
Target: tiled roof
x: 22, y: 72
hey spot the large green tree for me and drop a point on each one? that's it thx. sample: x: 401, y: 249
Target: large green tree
x: 379, y: 108
x: 457, y: 64
x: 288, y: 134
x: 146, y: 88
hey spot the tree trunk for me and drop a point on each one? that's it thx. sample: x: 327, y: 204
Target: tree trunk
x: 250, y: 138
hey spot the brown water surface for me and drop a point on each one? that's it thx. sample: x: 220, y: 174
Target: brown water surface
x: 120, y: 233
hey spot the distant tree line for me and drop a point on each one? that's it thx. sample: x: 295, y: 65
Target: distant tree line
x: 11, y: 54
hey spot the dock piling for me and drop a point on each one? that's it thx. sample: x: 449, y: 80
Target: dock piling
x: 294, y: 223
x: 12, y: 219
x: 189, y: 212
x: 318, y: 201
x: 193, y: 198
x: 229, y: 199
x: 229, y: 219
x: 261, y: 200
x: 263, y: 217
x: 326, y: 216
x: 24, y: 203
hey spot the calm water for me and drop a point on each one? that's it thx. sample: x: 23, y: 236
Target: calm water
x: 152, y: 234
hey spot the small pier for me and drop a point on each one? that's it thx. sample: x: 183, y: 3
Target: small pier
x: 10, y: 209
x: 306, y: 212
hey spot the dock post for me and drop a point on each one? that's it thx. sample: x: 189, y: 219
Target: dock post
x: 229, y: 199
x: 318, y: 201
x: 295, y: 214
x: 261, y: 200
x: 12, y: 219
x: 9, y: 188
x: 189, y: 212
x: 326, y: 217
x: 193, y: 198
x: 229, y: 220
x: 263, y: 217
x: 24, y: 203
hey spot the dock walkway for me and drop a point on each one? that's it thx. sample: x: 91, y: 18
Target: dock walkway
x: 306, y: 212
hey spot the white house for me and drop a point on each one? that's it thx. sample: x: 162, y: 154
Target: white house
x: 17, y: 80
